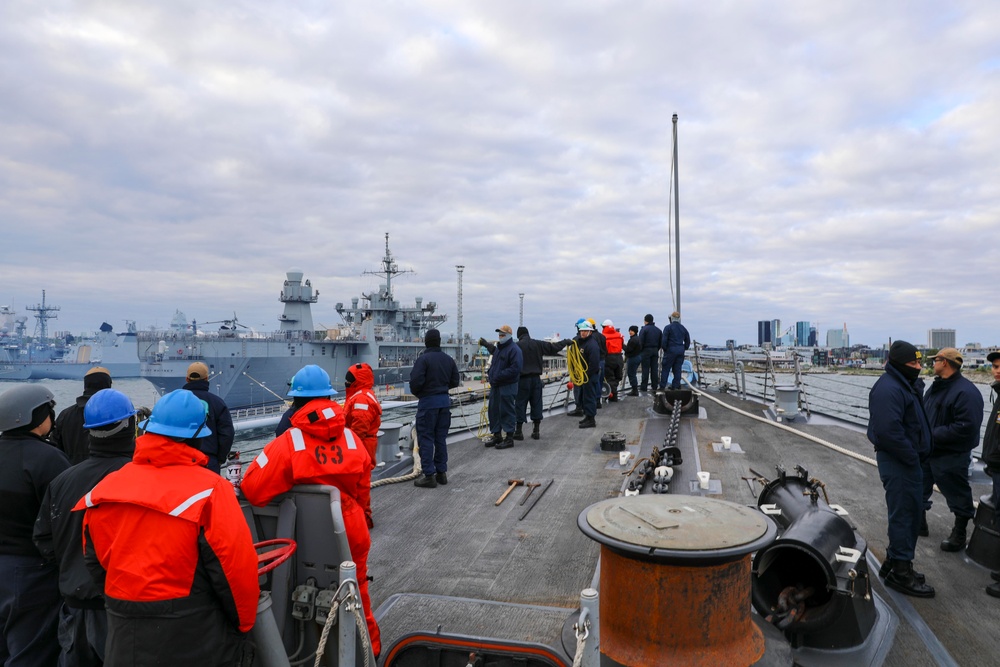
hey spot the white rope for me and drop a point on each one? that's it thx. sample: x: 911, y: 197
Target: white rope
x: 416, y: 465
x: 331, y: 618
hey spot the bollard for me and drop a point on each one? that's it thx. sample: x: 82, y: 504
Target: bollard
x: 675, y: 580
x: 590, y: 611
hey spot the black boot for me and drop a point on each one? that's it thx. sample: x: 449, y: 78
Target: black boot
x: 534, y: 431
x: 575, y: 413
x: 633, y: 392
x: 517, y: 431
x: 442, y: 478
x: 492, y: 440
x: 956, y: 541
x: 588, y: 422
x: 887, y: 567
x: 924, y: 530
x: 902, y: 578
x: 427, y: 482
x: 506, y: 443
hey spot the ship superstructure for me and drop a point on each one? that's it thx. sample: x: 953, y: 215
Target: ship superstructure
x: 252, y: 369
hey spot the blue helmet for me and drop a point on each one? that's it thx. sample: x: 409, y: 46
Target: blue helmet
x: 179, y: 414
x: 313, y: 381
x: 107, y: 407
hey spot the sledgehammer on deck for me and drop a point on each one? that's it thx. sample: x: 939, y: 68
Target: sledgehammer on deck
x: 513, y: 483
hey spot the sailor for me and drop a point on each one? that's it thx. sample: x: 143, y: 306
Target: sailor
x: 318, y: 449
x: 29, y: 585
x: 991, y: 457
x: 434, y: 372
x: 675, y: 341
x: 110, y: 419
x: 529, y: 385
x: 650, y: 338
x: 503, y: 376
x: 613, y: 363
x: 899, y: 430
x: 68, y: 434
x: 167, y: 540
x: 590, y: 388
x: 308, y: 383
x: 602, y: 347
x: 633, y: 356
x: 363, y: 413
x: 219, y: 441
x: 955, y: 412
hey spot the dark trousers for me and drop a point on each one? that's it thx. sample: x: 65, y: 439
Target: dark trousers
x: 995, y: 496
x: 29, y: 611
x: 529, y: 390
x: 631, y: 364
x: 432, y: 433
x: 82, y: 635
x: 672, y: 362
x: 590, y: 393
x: 501, y: 408
x: 649, y: 368
x: 613, y: 372
x: 950, y: 472
x: 904, y: 501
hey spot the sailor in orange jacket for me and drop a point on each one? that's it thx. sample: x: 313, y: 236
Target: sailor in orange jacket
x: 614, y: 364
x: 319, y: 450
x: 363, y: 413
x: 167, y: 539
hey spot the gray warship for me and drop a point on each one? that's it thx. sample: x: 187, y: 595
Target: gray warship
x: 249, y: 369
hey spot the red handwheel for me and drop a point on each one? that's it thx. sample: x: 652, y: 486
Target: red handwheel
x: 269, y: 560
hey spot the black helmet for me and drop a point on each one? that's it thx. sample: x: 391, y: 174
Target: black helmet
x: 18, y: 403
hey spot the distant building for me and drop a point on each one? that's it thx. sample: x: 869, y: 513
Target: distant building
x: 764, y: 332
x: 838, y: 338
x: 802, y: 333
x: 938, y: 338
x: 730, y: 343
x: 813, y: 337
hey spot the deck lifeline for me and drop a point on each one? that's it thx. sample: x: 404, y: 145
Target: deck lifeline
x: 453, y: 542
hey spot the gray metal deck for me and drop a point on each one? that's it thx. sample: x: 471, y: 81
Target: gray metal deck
x: 452, y: 542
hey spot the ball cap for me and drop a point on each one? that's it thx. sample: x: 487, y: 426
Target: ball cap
x: 197, y: 371
x: 949, y: 353
x: 992, y: 356
x: 506, y: 329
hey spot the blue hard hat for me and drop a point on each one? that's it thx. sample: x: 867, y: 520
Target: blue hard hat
x: 311, y: 380
x: 179, y: 414
x: 107, y: 407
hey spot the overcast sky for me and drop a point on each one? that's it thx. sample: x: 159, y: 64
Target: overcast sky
x: 838, y: 161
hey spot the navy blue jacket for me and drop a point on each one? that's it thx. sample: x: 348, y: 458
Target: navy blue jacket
x: 633, y: 348
x: 650, y: 336
x: 897, y: 423
x: 29, y: 465
x: 433, y: 374
x: 507, y: 363
x: 955, y: 412
x: 532, y: 351
x: 675, y: 338
x: 591, y: 352
x: 218, y: 445
x: 991, y: 440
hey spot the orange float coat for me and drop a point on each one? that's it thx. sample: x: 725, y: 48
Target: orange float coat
x: 172, y: 547
x: 614, y: 340
x: 318, y: 449
x: 363, y: 415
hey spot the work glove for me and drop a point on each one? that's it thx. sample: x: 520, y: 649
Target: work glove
x: 482, y: 342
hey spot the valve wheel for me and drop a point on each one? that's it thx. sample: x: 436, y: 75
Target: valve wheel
x: 269, y: 560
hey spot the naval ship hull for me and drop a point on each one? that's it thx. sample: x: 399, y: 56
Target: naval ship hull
x: 252, y: 372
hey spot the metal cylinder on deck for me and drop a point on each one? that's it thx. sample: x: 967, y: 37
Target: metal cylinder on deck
x: 675, y: 579
x: 388, y: 442
x: 786, y: 401
x: 984, y: 545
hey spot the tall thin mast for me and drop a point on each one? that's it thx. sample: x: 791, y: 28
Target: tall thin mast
x: 677, y: 221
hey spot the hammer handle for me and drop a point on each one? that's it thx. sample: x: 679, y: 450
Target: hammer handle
x: 505, y: 494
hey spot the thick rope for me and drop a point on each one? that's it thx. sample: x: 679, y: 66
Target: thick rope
x: 332, y: 617
x: 576, y: 365
x: 417, y: 471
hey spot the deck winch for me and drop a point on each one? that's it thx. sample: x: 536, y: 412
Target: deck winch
x: 812, y: 582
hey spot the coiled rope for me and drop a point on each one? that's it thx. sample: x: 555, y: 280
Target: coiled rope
x: 576, y: 364
x: 417, y: 471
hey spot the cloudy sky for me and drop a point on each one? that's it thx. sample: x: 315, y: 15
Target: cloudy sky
x: 838, y: 160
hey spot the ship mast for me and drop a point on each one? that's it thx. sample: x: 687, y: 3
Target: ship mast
x: 389, y: 269
x: 677, y: 221
x: 43, y: 314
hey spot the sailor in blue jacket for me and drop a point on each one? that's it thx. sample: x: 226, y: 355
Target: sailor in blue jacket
x: 676, y: 340
x: 219, y: 443
x: 898, y: 428
x: 955, y: 413
x: 503, y: 376
x: 650, y: 338
x: 433, y: 374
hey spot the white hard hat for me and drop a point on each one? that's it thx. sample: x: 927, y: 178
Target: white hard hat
x: 607, y: 323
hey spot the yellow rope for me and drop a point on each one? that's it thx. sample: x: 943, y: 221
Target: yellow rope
x: 576, y: 365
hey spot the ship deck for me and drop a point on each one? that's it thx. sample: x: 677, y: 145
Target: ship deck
x: 448, y: 559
